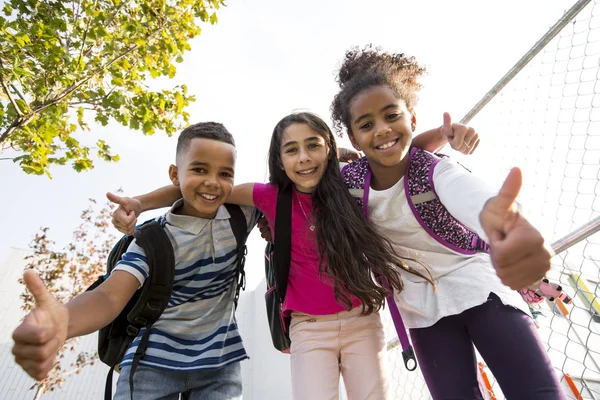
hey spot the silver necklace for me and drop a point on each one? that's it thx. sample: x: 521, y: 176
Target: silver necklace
x: 311, y: 226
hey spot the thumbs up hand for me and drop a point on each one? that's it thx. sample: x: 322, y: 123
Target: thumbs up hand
x: 461, y: 137
x: 42, y: 332
x: 517, y: 249
x: 125, y: 217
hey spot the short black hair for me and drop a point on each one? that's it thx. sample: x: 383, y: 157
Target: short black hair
x: 204, y: 130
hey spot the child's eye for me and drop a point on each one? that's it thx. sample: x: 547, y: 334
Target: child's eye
x: 290, y: 150
x: 314, y: 145
x: 365, y: 126
x: 393, y: 115
x: 199, y: 170
x: 226, y: 175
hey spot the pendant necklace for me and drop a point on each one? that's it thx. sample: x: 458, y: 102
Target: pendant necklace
x: 311, y: 226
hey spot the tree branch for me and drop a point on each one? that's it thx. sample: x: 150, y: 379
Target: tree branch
x: 76, y: 14
x: 87, y: 29
x: 25, y: 119
x: 18, y: 92
x: 108, y: 22
x: 9, y: 94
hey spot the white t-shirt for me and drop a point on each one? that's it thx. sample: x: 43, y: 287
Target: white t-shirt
x: 463, y: 281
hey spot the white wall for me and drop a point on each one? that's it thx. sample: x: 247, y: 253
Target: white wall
x: 266, y: 375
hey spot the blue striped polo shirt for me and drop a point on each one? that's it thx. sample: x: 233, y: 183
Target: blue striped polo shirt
x: 198, y: 329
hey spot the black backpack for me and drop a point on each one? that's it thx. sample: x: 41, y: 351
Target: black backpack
x: 277, y: 268
x: 149, y: 302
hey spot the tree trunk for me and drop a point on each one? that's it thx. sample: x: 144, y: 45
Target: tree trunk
x: 38, y: 393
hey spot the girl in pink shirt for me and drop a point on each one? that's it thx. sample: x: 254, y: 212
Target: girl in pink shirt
x: 331, y: 295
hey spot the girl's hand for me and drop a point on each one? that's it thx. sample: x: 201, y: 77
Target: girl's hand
x: 517, y: 249
x: 347, y: 155
x: 42, y: 332
x: 461, y: 137
x: 124, y: 218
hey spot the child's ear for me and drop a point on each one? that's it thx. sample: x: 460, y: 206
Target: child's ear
x: 354, y: 142
x: 173, y: 175
x: 413, y: 120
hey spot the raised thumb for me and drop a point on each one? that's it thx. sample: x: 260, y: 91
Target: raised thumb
x: 115, y: 199
x: 447, y: 120
x: 510, y: 188
x: 37, y: 288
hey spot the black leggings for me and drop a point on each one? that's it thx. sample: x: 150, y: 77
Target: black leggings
x: 507, y: 340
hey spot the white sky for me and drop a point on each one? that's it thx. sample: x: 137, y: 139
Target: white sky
x: 266, y: 58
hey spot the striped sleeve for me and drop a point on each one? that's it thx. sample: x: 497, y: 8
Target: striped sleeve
x: 252, y: 215
x: 135, y: 262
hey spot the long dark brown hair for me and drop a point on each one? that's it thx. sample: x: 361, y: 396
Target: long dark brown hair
x: 354, y: 250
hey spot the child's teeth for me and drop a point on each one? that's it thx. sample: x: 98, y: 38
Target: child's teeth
x: 386, y: 146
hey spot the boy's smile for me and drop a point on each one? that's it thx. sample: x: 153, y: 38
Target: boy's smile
x: 204, y: 173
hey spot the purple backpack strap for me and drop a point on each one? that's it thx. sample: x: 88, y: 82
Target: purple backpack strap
x: 429, y: 210
x: 357, y: 177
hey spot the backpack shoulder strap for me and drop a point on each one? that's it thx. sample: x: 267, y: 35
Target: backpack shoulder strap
x: 238, y: 223
x: 239, y: 226
x: 283, y: 239
x: 357, y: 177
x: 428, y: 209
x: 156, y: 293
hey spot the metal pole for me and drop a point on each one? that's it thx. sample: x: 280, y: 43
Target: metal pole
x: 576, y: 236
x: 554, y: 30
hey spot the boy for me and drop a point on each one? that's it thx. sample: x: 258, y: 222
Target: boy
x: 194, y: 348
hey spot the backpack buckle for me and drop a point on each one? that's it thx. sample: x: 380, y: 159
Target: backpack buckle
x: 132, y: 330
x: 410, y: 361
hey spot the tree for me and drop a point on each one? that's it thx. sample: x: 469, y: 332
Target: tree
x: 61, y: 60
x: 66, y: 274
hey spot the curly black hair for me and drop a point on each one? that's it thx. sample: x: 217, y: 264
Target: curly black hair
x: 353, y: 249
x: 368, y: 67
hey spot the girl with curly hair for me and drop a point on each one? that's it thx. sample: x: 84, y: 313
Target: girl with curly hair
x: 472, y: 306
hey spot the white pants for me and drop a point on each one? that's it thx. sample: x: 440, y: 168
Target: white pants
x: 323, y: 346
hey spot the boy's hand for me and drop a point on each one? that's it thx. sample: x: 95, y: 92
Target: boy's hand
x: 517, y: 249
x: 461, y: 137
x: 125, y: 217
x: 42, y: 332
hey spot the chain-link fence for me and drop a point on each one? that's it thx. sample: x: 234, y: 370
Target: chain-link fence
x: 545, y: 118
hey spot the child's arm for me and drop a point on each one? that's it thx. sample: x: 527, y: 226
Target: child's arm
x: 44, y: 330
x: 518, y: 250
x: 461, y: 137
x: 242, y: 195
x: 125, y: 217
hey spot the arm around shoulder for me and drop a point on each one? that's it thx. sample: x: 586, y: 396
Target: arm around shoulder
x: 242, y: 195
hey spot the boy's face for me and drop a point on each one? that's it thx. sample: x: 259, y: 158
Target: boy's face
x: 381, y: 125
x: 204, y: 173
